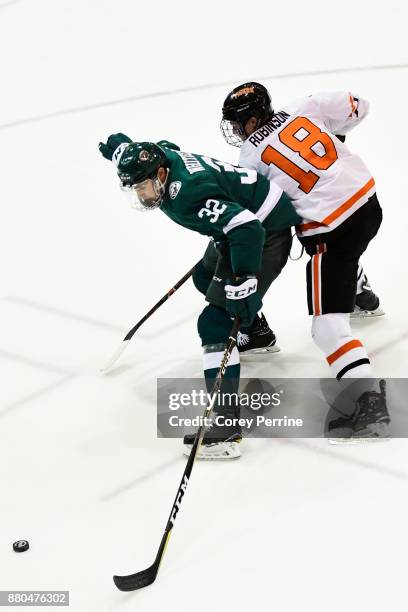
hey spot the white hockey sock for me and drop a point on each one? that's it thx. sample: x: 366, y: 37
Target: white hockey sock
x: 344, y: 353
x: 212, y: 357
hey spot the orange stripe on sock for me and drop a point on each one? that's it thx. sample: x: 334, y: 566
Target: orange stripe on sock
x: 316, y: 287
x: 342, y: 350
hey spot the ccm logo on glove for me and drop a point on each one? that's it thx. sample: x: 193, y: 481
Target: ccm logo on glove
x: 239, y: 292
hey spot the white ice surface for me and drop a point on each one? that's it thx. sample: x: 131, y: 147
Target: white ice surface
x: 294, y: 525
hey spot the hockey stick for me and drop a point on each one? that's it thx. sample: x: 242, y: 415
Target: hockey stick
x: 147, y: 576
x: 134, y: 329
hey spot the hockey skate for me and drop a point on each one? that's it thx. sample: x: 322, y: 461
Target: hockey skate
x: 260, y: 338
x: 370, y: 421
x: 367, y: 303
x: 214, y: 448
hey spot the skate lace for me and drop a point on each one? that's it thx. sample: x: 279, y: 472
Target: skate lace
x: 365, y: 285
x: 371, y: 406
x: 242, y: 339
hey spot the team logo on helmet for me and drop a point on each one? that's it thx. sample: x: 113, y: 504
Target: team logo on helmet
x: 144, y: 155
x: 243, y: 92
x: 174, y: 188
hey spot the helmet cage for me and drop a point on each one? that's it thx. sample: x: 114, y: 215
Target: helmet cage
x: 138, y: 174
x: 233, y: 132
x: 245, y: 101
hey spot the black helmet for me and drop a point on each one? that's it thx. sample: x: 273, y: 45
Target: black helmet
x: 141, y: 161
x: 243, y: 102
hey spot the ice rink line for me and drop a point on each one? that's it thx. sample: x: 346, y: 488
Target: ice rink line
x: 345, y: 458
x: 332, y: 452
x: 137, y: 481
x: 389, y: 344
x: 34, y: 363
x: 65, y: 377
x: 98, y: 323
x: 8, y: 3
x: 63, y: 313
x: 36, y: 395
x: 194, y: 88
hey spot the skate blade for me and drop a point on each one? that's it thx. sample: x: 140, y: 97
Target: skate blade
x: 355, y: 440
x: 215, y: 452
x: 376, y: 432
x: 367, y: 314
x: 261, y: 351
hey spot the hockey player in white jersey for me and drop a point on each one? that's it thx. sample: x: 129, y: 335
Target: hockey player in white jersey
x: 302, y: 149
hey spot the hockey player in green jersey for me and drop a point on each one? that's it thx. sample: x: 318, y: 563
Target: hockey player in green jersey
x: 244, y: 214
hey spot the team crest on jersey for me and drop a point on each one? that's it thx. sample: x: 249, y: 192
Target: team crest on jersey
x: 143, y: 155
x: 174, y: 188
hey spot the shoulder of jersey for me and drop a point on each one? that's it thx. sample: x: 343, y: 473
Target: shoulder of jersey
x: 295, y: 105
x: 187, y: 179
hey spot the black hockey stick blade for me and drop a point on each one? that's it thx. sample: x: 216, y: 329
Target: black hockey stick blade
x: 137, y: 581
x: 142, y: 579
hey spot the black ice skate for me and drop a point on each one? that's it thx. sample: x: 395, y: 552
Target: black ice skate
x: 367, y: 303
x: 370, y: 421
x: 260, y: 338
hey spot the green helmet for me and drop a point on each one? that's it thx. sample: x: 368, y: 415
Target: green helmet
x: 137, y: 167
x: 140, y: 161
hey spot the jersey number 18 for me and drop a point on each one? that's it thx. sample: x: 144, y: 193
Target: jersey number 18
x: 307, y: 179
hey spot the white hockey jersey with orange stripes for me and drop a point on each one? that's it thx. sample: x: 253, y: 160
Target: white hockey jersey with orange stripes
x: 298, y: 150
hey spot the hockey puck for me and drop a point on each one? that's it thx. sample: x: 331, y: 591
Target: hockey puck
x: 21, y: 546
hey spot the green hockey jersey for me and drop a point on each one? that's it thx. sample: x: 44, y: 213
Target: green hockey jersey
x: 228, y: 203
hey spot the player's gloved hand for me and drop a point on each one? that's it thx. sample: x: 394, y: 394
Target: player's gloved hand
x: 243, y: 299
x: 114, y: 147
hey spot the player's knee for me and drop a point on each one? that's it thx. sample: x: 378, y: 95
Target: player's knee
x: 329, y: 329
x: 202, y: 277
x: 213, y: 325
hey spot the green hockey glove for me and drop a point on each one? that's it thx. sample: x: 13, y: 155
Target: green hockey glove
x: 243, y: 299
x: 114, y: 147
